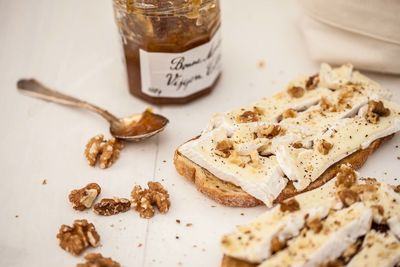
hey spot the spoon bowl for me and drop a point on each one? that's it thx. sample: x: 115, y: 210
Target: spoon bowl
x: 134, y: 128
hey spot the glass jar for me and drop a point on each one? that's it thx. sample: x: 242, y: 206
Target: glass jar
x: 172, y: 48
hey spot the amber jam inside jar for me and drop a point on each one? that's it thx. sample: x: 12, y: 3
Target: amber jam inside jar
x: 172, y: 48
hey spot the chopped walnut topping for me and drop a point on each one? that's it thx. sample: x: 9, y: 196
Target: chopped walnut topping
x: 97, y: 260
x: 297, y: 145
x: 106, y: 152
x: 379, y: 209
x: 224, y: 148
x: 255, y: 159
x: 397, y: 189
x: 315, y: 225
x: 289, y: 113
x: 376, y: 109
x: 326, y: 105
x: 296, y: 91
x: 344, y: 96
x: 112, y: 206
x: 276, y: 244
x: 270, y: 131
x: 351, y: 250
x: 324, y: 147
x: 77, y: 238
x: 83, y: 198
x: 248, y: 116
x: 312, y: 82
x: 143, y: 200
x: 348, y: 197
x: 290, y: 205
x: 346, y: 176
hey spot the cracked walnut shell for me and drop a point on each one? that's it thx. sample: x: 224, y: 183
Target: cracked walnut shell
x: 106, y: 152
x: 143, y: 200
x: 112, y: 206
x: 76, y: 238
x: 83, y: 198
x: 97, y: 260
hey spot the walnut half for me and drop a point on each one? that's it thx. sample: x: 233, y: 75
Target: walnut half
x: 83, y: 198
x: 112, y: 206
x: 106, y: 152
x: 76, y: 238
x: 97, y: 260
x: 143, y: 200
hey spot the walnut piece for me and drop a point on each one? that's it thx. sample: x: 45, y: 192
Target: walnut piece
x: 143, y: 200
x: 97, y: 260
x: 106, y: 152
x: 376, y: 109
x: 276, y: 244
x: 312, y: 82
x: 83, y: 198
x: 346, y: 177
x: 397, y: 189
x: 290, y: 205
x: 77, y: 238
x: 326, y: 105
x: 224, y: 148
x: 296, y: 91
x: 315, y: 225
x: 270, y: 131
x: 248, y: 116
x: 297, y: 145
x: 112, y: 206
x: 289, y: 113
x: 93, y: 149
x: 348, y: 197
x: 324, y: 147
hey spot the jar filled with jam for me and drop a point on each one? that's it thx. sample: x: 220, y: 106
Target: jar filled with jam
x: 172, y: 48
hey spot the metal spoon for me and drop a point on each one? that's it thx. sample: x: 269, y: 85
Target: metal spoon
x: 136, y: 127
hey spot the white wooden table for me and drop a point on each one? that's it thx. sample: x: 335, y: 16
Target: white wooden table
x: 73, y: 45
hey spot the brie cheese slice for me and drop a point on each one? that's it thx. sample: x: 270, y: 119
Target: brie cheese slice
x: 348, y: 135
x: 378, y: 249
x: 311, y: 249
x: 252, y: 242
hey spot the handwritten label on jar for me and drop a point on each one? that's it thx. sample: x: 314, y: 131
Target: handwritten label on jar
x: 181, y: 74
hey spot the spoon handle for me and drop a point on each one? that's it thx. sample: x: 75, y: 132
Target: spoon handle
x: 34, y: 88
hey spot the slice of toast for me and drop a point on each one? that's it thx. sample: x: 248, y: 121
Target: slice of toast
x: 231, y: 195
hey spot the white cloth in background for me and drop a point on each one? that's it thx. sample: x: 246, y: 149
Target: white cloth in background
x: 365, y: 33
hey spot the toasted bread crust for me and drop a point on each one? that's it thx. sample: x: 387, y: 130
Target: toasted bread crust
x: 231, y: 195
x: 232, y: 262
